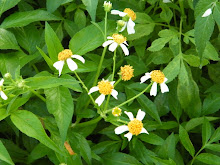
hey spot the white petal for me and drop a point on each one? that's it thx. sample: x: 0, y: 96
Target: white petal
x: 117, y: 12
x: 153, y: 91
x: 125, y: 49
x: 71, y: 64
x: 123, y: 28
x: 93, y: 89
x: 100, y: 99
x: 112, y: 82
x: 130, y: 27
x: 121, y: 129
x: 78, y: 57
x: 3, y: 95
x: 1, y: 82
x: 164, y: 88
x: 114, y: 93
x: 207, y: 12
x: 145, y: 77
x: 144, y: 131
x: 109, y: 37
x: 59, y: 66
x: 166, y: 1
x: 125, y: 42
x: 165, y: 79
x: 140, y: 115
x: 113, y: 46
x: 130, y: 115
x: 128, y: 135
x: 106, y: 43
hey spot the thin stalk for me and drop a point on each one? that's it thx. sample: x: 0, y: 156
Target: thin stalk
x: 109, y: 110
x: 38, y: 95
x: 180, y: 35
x: 117, y: 82
x: 197, y: 155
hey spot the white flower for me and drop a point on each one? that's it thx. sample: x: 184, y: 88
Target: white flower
x: 104, y: 87
x: 207, y: 12
x: 2, y: 94
x: 157, y: 77
x: 128, y: 16
x: 66, y: 55
x: 135, y: 126
x: 114, y: 41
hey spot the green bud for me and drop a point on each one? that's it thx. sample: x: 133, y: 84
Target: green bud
x: 7, y: 75
x: 107, y: 6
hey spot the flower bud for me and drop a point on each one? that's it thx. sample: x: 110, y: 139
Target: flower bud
x: 7, y: 75
x: 107, y: 6
x: 116, y: 111
x: 120, y: 23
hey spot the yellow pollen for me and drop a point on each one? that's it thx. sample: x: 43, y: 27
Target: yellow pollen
x: 118, y: 38
x: 130, y: 13
x: 127, y: 72
x: 66, y: 53
x: 105, y: 87
x: 135, y: 126
x: 116, y: 111
x: 157, y: 76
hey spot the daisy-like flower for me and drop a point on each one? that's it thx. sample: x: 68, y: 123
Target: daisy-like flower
x: 135, y: 126
x: 127, y: 72
x: 2, y: 94
x: 157, y: 77
x: 114, y: 41
x: 207, y: 12
x: 104, y: 87
x: 66, y: 55
x: 128, y: 16
x: 116, y: 111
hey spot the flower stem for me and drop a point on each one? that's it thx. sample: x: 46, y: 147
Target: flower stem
x: 38, y: 95
x: 113, y: 70
x: 197, y: 154
x: 109, y: 110
x: 117, y: 82
x: 84, y: 86
x: 106, y: 16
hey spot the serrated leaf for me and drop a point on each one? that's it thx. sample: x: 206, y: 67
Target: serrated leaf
x: 213, y: 147
x: 216, y: 136
x: 4, y: 155
x: 211, y: 104
x: 206, y: 131
x: 91, y: 6
x: 216, y: 13
x: 208, y: 158
x: 143, y: 18
x: 194, y: 61
x: 24, y: 18
x: 7, y: 40
x: 210, y: 52
x: 158, y: 44
x: 7, y: 4
x: 185, y: 140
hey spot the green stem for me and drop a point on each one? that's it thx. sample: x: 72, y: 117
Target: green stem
x: 122, y: 121
x: 84, y: 86
x: 38, y: 95
x: 180, y: 35
x: 96, y: 120
x: 106, y: 16
x: 109, y: 110
x: 197, y: 155
x: 117, y: 82
x: 113, y: 70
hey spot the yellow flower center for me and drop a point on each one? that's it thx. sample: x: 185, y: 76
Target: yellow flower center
x: 116, y: 111
x: 66, y: 53
x: 118, y: 38
x: 157, y: 76
x: 127, y: 72
x: 130, y: 13
x: 0, y: 88
x: 105, y: 87
x: 135, y: 126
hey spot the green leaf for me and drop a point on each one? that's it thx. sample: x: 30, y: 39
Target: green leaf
x: 204, y: 27
x: 211, y: 104
x: 166, y: 13
x: 194, y: 61
x: 172, y: 69
x: 4, y: 155
x: 91, y: 6
x: 8, y: 40
x: 208, y: 158
x: 143, y: 18
x: 202, y: 6
x: 7, y: 4
x: 160, y: 57
x: 158, y: 44
x: 213, y: 147
x: 30, y: 125
x: 216, y: 13
x: 106, y: 146
x: 206, y: 131
x: 216, y: 136
x: 210, y: 52
x: 53, y: 5
x: 3, y: 114
x: 46, y: 58
x: 151, y: 139
x: 60, y: 103
x: 80, y: 18
x: 24, y: 18
x: 54, y: 46
x: 185, y: 140
x: 119, y: 158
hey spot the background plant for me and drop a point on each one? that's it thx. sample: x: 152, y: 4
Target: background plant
x: 49, y: 119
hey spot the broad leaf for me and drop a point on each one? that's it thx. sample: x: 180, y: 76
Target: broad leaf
x: 206, y: 131
x: 7, y: 4
x: 91, y: 6
x: 4, y: 155
x: 208, y: 158
x: 7, y: 40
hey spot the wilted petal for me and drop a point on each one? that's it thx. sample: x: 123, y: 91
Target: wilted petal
x: 130, y: 115
x: 3, y: 96
x: 164, y: 88
x: 114, y: 93
x: 140, y: 115
x: 144, y: 131
x: 93, y: 89
x: 71, y: 64
x: 100, y: 99
x: 78, y: 57
x: 121, y: 129
x: 59, y: 66
x: 207, y: 12
x: 113, y: 46
x: 130, y: 27
x: 106, y: 43
x: 153, y: 91
x: 145, y: 77
x: 128, y: 135
x: 125, y: 49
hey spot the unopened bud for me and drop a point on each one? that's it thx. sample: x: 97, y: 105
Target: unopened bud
x: 21, y: 84
x: 120, y: 23
x: 107, y: 6
x: 116, y: 111
x: 7, y: 75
